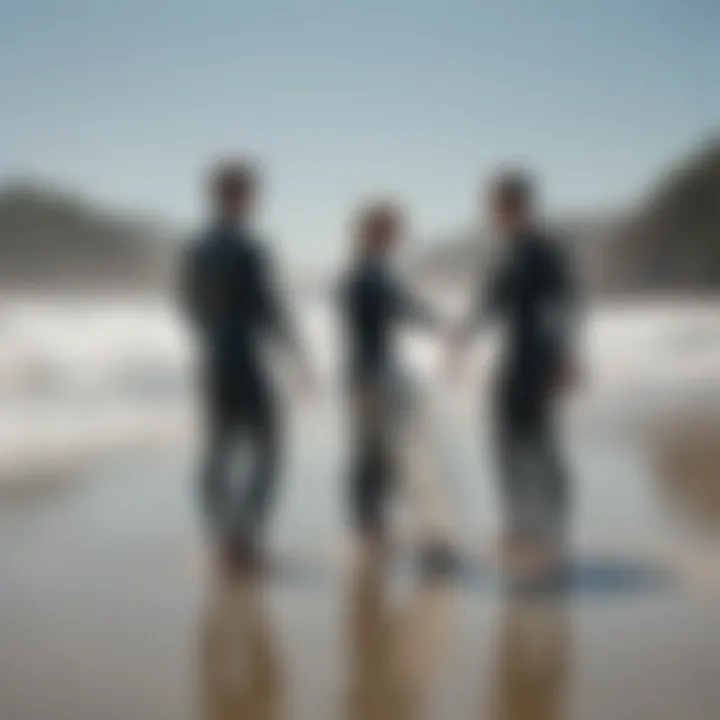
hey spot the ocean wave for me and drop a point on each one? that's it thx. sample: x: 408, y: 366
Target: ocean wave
x: 92, y: 374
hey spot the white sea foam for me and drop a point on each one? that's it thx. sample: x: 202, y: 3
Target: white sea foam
x: 83, y: 375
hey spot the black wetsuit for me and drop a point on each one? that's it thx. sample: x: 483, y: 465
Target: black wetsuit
x: 374, y: 305
x: 532, y: 294
x: 229, y: 295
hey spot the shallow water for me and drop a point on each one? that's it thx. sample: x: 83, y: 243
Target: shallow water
x: 81, y: 377
x: 108, y: 607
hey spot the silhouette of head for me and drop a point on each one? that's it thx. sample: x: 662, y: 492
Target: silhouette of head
x: 511, y: 200
x: 379, y: 228
x: 234, y: 187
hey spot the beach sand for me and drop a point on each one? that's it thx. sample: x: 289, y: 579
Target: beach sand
x: 109, y: 607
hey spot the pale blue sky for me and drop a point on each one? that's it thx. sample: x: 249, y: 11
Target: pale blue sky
x: 127, y: 100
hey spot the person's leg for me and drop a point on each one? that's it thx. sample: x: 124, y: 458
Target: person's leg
x: 512, y: 480
x: 214, y: 476
x: 255, y: 454
x: 263, y: 432
x: 216, y: 465
x: 370, y: 480
x: 366, y: 490
x: 544, y: 496
x: 369, y: 476
x: 415, y: 451
x: 521, y: 456
x: 552, y: 475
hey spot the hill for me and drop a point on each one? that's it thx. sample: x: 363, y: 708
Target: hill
x: 54, y: 241
x: 669, y: 241
x: 672, y: 242
x: 458, y: 260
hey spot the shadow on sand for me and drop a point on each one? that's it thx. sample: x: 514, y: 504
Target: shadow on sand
x: 602, y: 575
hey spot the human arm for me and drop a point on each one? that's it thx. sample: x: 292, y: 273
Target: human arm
x: 561, y: 317
x: 415, y: 309
x: 277, y: 317
x: 192, y: 287
x: 488, y: 299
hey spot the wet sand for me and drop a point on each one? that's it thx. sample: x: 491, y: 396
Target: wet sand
x: 108, y: 607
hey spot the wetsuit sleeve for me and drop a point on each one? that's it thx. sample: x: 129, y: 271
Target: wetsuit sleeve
x: 192, y: 290
x: 272, y: 303
x: 408, y: 305
x: 487, y: 302
x: 562, y: 308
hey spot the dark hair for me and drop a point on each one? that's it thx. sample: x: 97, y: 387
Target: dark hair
x: 376, y: 221
x: 234, y: 176
x: 516, y: 186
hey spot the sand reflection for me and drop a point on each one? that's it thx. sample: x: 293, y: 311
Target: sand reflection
x: 395, y: 646
x: 532, y: 662
x: 240, y: 663
x: 686, y: 460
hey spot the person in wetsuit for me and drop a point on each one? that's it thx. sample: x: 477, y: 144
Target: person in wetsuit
x: 233, y: 303
x: 375, y: 305
x: 531, y: 292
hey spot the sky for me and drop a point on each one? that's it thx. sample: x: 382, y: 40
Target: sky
x: 128, y: 102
